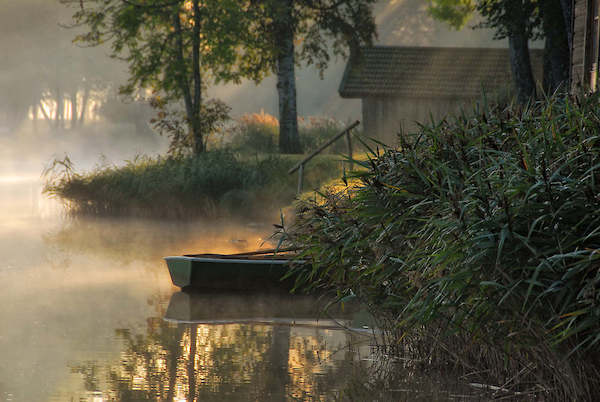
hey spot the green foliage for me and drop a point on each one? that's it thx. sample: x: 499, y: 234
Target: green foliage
x: 503, y: 16
x: 509, y: 16
x: 455, y: 12
x: 255, y: 133
x: 259, y: 133
x: 484, y: 228
x: 144, y: 34
x: 320, y: 28
x: 171, y: 122
x: 176, y: 49
x: 315, y: 131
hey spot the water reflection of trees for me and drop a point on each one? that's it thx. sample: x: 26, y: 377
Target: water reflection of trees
x: 193, y: 362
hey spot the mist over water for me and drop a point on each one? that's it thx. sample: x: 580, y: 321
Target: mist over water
x: 72, y: 288
x: 88, y: 313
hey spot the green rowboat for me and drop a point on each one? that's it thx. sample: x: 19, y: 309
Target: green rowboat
x: 253, y: 270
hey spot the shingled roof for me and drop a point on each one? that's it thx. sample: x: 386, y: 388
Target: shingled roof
x: 430, y: 72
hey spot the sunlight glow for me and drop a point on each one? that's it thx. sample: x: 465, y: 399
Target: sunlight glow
x: 16, y: 178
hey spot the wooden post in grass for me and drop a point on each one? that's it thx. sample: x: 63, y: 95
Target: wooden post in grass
x: 349, y: 142
x: 300, y: 178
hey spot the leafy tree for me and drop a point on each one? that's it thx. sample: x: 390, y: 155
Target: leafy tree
x: 174, y: 48
x: 318, y: 26
x: 519, y: 21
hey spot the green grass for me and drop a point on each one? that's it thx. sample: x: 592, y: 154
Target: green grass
x: 212, y: 184
x: 477, y: 242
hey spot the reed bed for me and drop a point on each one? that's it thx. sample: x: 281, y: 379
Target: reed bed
x: 476, y: 243
x: 213, y: 184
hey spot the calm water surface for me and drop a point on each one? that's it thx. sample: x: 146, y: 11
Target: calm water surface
x: 88, y: 313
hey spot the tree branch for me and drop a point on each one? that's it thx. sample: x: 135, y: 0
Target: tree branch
x: 163, y: 5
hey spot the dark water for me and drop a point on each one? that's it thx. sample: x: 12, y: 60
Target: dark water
x: 88, y: 313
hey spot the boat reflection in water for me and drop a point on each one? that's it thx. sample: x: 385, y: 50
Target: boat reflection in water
x: 273, y: 308
x: 261, y: 346
x: 235, y: 346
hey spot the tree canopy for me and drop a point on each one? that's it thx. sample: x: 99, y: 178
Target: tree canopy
x: 519, y: 21
x: 308, y: 31
x: 176, y: 48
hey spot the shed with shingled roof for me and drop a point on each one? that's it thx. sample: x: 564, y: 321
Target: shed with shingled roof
x: 403, y: 85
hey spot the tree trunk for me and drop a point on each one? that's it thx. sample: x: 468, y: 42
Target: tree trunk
x: 192, y: 102
x: 74, y: 111
x: 191, y: 107
x: 289, y: 139
x: 58, y: 115
x: 44, y: 113
x: 34, y: 116
x: 556, y: 51
x: 567, y: 13
x: 198, y: 135
x: 521, y: 65
x: 84, y: 104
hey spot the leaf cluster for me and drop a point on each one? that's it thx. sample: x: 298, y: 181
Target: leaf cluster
x: 501, y: 16
x: 321, y: 28
x: 147, y: 35
x: 172, y: 122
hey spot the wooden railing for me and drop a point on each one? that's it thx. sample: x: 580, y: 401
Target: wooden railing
x: 300, y: 166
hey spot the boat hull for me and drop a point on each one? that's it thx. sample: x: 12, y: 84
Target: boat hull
x: 235, y: 274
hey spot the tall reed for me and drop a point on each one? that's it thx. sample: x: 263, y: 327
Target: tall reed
x: 478, y: 242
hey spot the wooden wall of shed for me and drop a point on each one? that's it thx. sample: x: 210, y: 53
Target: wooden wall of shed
x: 383, y: 118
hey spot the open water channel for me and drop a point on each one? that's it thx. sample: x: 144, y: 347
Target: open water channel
x: 88, y: 313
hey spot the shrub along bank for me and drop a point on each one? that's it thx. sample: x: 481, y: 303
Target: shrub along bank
x: 259, y: 133
x: 477, y: 245
x: 211, y: 184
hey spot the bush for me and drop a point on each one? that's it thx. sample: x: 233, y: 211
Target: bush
x: 255, y: 133
x: 315, y: 131
x: 258, y: 133
x: 478, y: 242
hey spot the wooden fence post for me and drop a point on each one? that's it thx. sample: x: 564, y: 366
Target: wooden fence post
x: 300, y: 178
x: 349, y: 142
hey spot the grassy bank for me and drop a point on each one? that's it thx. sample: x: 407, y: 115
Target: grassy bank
x: 476, y: 244
x: 212, y: 184
x: 242, y: 174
